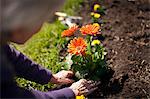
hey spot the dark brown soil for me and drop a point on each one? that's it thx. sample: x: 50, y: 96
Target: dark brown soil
x: 127, y: 40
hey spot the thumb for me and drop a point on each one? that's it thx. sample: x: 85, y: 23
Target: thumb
x: 69, y: 74
x: 65, y: 81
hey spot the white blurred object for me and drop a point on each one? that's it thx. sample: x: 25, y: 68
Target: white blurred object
x: 60, y: 14
x: 68, y: 20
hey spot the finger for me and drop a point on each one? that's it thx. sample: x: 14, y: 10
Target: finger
x: 82, y: 88
x: 83, y: 81
x: 69, y: 74
x: 93, y: 82
x: 65, y: 81
x: 88, y: 87
x: 98, y: 83
x: 92, y: 85
x: 90, y: 81
x: 80, y: 85
x: 87, y: 91
x: 84, y: 92
x: 91, y: 90
x: 88, y: 84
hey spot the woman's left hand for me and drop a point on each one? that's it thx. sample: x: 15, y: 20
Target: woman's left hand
x: 62, y: 77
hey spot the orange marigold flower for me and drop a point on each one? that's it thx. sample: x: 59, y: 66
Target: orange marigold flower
x: 90, y: 29
x: 70, y: 31
x: 77, y: 46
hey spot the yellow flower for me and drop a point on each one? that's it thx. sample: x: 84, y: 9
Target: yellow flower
x: 96, y: 6
x: 95, y: 42
x: 96, y: 24
x: 80, y: 97
x: 96, y: 15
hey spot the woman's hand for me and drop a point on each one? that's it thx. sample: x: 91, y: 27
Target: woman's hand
x: 84, y: 87
x: 62, y: 77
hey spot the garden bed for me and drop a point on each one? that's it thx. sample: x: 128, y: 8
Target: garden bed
x: 126, y: 31
x: 127, y: 40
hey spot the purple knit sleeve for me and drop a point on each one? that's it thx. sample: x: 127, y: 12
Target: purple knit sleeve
x: 26, y: 68
x: 15, y: 92
x: 65, y: 93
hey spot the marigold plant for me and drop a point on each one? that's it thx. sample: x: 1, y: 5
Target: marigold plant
x: 86, y: 55
x: 70, y: 31
x: 96, y: 7
x: 90, y: 29
x: 97, y: 11
x: 77, y: 46
x: 95, y: 15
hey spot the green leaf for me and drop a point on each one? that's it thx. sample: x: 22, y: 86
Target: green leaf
x: 89, y: 48
x: 68, y: 62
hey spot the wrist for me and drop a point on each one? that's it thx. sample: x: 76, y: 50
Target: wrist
x: 54, y: 79
x: 75, y: 91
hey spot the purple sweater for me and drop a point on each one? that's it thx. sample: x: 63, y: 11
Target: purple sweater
x: 14, y: 63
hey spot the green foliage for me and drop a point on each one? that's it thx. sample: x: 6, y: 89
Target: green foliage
x: 92, y: 65
x: 72, y: 5
x: 29, y: 85
x: 89, y: 65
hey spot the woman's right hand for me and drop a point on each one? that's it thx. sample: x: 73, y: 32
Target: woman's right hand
x: 84, y: 87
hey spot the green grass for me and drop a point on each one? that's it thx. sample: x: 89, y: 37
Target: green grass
x: 71, y: 6
x: 44, y: 47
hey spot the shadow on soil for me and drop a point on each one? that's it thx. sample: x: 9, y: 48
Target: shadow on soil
x: 109, y: 85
